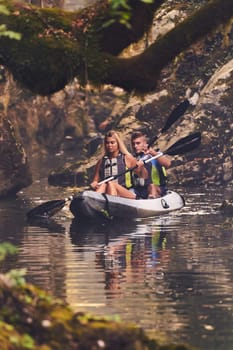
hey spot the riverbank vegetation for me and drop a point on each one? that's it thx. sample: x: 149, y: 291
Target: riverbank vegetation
x: 31, y: 318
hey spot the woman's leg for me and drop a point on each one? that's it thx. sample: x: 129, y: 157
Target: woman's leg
x: 123, y: 192
x: 102, y: 188
x: 111, y: 189
x: 115, y: 189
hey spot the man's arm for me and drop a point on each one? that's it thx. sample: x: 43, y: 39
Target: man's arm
x: 163, y: 160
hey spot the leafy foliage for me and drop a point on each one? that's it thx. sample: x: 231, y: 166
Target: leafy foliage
x: 3, y: 29
x: 121, y: 12
x: 58, y: 46
x: 7, y: 249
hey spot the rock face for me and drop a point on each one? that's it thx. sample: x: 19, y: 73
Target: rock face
x: 212, y: 163
x: 74, y: 119
x: 14, y: 170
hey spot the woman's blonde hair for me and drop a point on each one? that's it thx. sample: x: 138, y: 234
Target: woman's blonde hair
x: 121, y: 145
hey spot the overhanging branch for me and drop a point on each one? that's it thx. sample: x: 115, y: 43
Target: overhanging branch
x: 58, y: 46
x: 141, y: 72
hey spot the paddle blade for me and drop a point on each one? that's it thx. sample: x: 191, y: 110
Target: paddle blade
x: 186, y: 144
x: 47, y: 209
x: 175, y: 115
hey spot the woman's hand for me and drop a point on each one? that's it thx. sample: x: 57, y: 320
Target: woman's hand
x: 94, y: 185
x: 140, y: 163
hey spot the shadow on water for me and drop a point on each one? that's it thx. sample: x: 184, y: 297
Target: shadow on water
x: 50, y: 224
x: 12, y: 219
x: 90, y: 231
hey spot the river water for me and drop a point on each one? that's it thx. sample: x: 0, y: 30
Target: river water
x: 171, y: 275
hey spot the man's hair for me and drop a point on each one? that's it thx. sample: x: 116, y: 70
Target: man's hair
x: 137, y: 134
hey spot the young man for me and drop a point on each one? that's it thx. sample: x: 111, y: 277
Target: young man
x: 155, y: 185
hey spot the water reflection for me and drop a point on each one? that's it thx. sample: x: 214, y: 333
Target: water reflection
x: 122, y: 257
x: 130, y: 260
x: 12, y: 212
x: 47, y: 223
x: 177, y: 268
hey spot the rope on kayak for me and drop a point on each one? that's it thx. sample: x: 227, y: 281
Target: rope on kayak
x: 106, y: 211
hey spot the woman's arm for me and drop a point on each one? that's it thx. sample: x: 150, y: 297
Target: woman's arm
x: 96, y: 178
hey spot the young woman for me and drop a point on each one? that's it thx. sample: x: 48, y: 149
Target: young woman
x: 115, y: 160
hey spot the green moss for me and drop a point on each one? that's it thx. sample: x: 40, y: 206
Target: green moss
x: 33, y: 319
x: 57, y: 46
x: 46, y: 34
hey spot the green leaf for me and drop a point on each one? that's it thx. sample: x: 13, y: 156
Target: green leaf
x: 147, y: 1
x: 11, y: 35
x: 3, y: 29
x: 17, y: 276
x: 116, y: 4
x: 7, y: 249
x: 4, y: 10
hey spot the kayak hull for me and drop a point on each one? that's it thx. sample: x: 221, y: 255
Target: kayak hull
x: 91, y: 204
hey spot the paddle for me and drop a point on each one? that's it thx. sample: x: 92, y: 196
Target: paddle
x: 173, y: 117
x: 182, y: 146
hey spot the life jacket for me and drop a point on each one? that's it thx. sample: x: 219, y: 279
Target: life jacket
x: 115, y: 166
x: 138, y: 181
x: 158, y: 173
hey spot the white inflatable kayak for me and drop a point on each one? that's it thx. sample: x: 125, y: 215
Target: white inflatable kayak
x: 91, y: 204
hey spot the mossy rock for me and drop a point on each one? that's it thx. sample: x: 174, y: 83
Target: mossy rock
x: 33, y: 319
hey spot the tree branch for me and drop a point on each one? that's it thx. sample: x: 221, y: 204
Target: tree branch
x: 57, y: 45
x: 142, y: 71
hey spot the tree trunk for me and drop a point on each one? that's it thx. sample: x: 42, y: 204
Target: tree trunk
x: 57, y: 46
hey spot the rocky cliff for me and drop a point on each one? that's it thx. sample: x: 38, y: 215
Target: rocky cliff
x: 77, y: 119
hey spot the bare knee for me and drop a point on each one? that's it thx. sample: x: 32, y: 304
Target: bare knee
x: 111, y: 188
